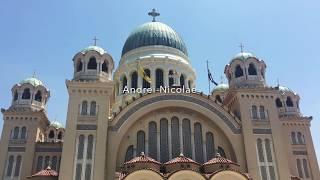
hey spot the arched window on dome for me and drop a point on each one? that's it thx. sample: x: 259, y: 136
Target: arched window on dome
x: 146, y: 84
x: 38, y: 96
x: 159, y: 78
x: 16, y: 132
x: 134, y: 80
x: 221, y: 152
x: 51, y: 134
x: 175, y: 137
x: 182, y: 80
x: 152, y: 140
x: 252, y: 69
x: 254, y: 112
x: 198, y: 142
x: 84, y: 108
x: 124, y: 83
x: 218, y: 98
x: 210, y: 147
x: 92, y: 64
x: 140, y: 142
x: 26, y: 94
x: 79, y: 66
x: 105, y: 67
x: 129, y: 153
x: 60, y: 134
x: 289, y: 102
x: 15, y: 97
x: 278, y: 103
x: 23, y: 132
x: 171, y: 78
x: 238, y: 72
x: 93, y: 108
x: 164, y: 141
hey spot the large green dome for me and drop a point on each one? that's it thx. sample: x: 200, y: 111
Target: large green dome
x: 154, y: 33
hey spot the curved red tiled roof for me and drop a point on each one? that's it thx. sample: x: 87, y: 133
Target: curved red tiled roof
x: 220, y: 160
x: 246, y: 175
x: 46, y: 172
x: 181, y: 159
x: 142, y: 159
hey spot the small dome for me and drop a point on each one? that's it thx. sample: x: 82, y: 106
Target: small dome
x: 93, y: 48
x: 33, y: 81
x: 243, y: 56
x: 154, y: 33
x: 56, y: 124
x: 221, y: 87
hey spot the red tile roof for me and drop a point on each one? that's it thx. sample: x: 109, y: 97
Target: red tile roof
x: 220, y: 160
x: 46, y: 172
x: 181, y: 159
x: 142, y: 159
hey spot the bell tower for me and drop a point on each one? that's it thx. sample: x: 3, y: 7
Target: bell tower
x: 90, y: 96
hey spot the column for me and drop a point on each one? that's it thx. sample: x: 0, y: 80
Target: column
x: 169, y: 139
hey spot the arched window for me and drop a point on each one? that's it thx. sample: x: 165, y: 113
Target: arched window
x: 293, y: 138
x: 124, y: 83
x: 39, y: 163
x: 164, y: 141
x: 152, y: 140
x: 278, y: 103
x: 60, y: 135
x: 260, y: 150
x: 305, y: 167
x: 175, y: 137
x: 18, y: 166
x: 140, y: 142
x: 289, y: 102
x: 80, y: 147
x: 15, y: 97
x: 254, y: 112
x: 221, y: 152
x: 171, y: 78
x: 268, y: 150
x: 299, y: 167
x: 129, y: 153
x: 262, y: 112
x: 84, y: 108
x: 146, y: 84
x: 78, y: 171
x: 79, y: 66
x: 54, y: 163
x: 10, y: 166
x: 51, y: 134
x: 87, y: 175
x: 252, y: 69
x: 38, y: 96
x: 299, y: 136
x: 134, y: 80
x: 23, y: 132
x: 159, y: 78
x: 218, y: 98
x: 92, y: 64
x: 26, y: 94
x: 238, y: 71
x: 16, y: 133
x: 105, y: 67
x: 198, y: 142
x: 210, y: 148
x: 93, y: 108
x: 186, y: 136
x: 46, y: 161
x: 90, y: 147
x: 182, y: 80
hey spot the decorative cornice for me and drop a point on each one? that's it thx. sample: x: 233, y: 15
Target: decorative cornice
x: 48, y: 149
x: 300, y: 152
x: 86, y: 127
x: 261, y: 131
x: 16, y: 149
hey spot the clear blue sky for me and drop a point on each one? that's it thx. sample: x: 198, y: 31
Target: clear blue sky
x: 45, y: 35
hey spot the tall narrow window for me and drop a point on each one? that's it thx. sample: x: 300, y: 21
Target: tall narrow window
x: 51, y: 134
x: 254, y: 112
x: 46, y: 161
x: 266, y: 163
x: 171, y: 78
x: 186, y: 134
x: 134, y: 80
x: 293, y: 138
x: 145, y: 83
x: 23, y: 132
x: 105, y: 67
x: 189, y: 84
x: 54, y: 162
x: 79, y: 66
x: 78, y: 171
x: 305, y: 168
x: 238, y: 71
x: 198, y: 143
x: 80, y: 147
x: 90, y: 147
x: 262, y: 112
x: 129, y: 153
x: 92, y: 64
x: 175, y: 137
x: 10, y: 166
x: 140, y: 142
x: 152, y: 139
x: 260, y: 150
x: 93, y: 108
x: 159, y: 78
x: 218, y: 98
x: 38, y: 96
x: 289, y: 102
x: 87, y: 175
x: 299, y: 167
x: 252, y: 69
x: 60, y: 135
x: 84, y: 108
x: 182, y: 80
x: 16, y: 133
x: 26, y: 94
x: 222, y: 152
x: 268, y: 150
x: 15, y: 97
x: 299, y: 136
x: 39, y: 163
x: 210, y: 149
x: 124, y: 83
x: 164, y: 141
x: 278, y: 103
x: 18, y: 166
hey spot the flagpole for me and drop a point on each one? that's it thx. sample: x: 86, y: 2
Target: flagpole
x: 208, y: 77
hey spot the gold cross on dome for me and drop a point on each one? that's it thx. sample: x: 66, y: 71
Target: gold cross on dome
x: 95, y: 40
x: 154, y: 14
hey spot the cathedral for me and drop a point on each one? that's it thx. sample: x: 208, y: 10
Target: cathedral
x: 120, y: 125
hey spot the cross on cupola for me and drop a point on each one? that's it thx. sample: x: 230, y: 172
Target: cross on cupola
x: 241, y: 47
x: 95, y: 41
x: 154, y: 14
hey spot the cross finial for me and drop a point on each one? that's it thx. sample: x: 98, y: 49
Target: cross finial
x: 154, y: 14
x: 34, y: 75
x: 221, y: 77
x: 95, y: 40
x: 241, y: 47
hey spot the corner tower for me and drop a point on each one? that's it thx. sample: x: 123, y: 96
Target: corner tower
x: 90, y: 96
